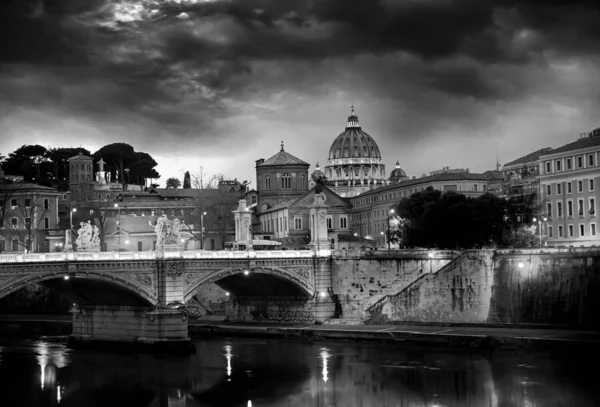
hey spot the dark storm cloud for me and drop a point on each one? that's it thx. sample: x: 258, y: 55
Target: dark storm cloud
x: 179, y: 63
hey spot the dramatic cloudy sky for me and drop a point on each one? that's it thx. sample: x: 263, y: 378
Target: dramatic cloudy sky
x: 221, y: 83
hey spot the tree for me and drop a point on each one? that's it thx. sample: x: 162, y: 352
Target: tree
x: 58, y: 169
x: 118, y: 157
x: 142, y: 169
x: 201, y: 180
x: 186, y: 181
x: 173, y: 183
x: 21, y: 213
x: 26, y: 161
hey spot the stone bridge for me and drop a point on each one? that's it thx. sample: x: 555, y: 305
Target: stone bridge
x: 141, y: 296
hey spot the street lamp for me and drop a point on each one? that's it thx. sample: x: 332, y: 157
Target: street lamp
x: 391, y: 212
x: 539, y: 221
x: 71, y: 216
x: 202, y: 230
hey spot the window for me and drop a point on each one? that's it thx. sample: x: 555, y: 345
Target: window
x: 285, y: 228
x: 569, y: 165
x: 549, y: 210
x: 591, y: 160
x: 549, y: 231
x: 14, y: 222
x: 579, y: 186
x: 2, y: 246
x: 13, y: 203
x: 253, y: 199
x: 297, y: 223
x: 286, y: 181
x: 557, y: 165
x: 579, y: 161
x: 569, y: 188
x: 302, y: 182
x: 475, y: 187
x: 27, y: 222
x: 580, y: 207
x: 343, y: 222
x: 46, y: 223
x: 267, y: 182
x: 560, y: 231
x: 548, y: 190
x: 559, y: 210
x: 593, y: 229
x: 15, y: 245
x: 484, y: 187
x: 64, y: 197
x: 329, y: 222
x: 558, y: 189
x: 581, y: 230
x: 591, y: 186
x: 46, y: 203
x: 570, y: 230
x: 570, y: 208
x: 592, y: 206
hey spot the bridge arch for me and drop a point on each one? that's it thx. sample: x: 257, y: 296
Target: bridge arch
x: 294, y: 280
x: 98, y: 287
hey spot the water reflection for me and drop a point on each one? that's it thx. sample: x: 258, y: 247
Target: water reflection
x: 267, y: 373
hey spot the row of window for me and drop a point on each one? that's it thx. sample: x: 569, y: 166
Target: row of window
x: 408, y: 192
x: 14, y: 203
x: 14, y: 223
x: 82, y: 167
x: 280, y: 224
x: 571, y: 230
x: 285, y: 182
x: 580, y: 208
x: 590, y: 185
x: 84, y: 177
x: 558, y: 164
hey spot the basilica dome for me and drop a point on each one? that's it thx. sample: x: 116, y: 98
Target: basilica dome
x: 354, y: 163
x: 398, y: 174
x: 353, y: 142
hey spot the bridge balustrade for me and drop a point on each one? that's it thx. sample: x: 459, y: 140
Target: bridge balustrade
x: 188, y: 254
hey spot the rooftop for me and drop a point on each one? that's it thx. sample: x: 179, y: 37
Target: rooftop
x: 531, y: 157
x: 282, y: 158
x: 590, y: 141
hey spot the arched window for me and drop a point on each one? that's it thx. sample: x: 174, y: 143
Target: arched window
x: 286, y: 181
x: 267, y: 182
x: 82, y: 167
x: 302, y: 182
x: 355, y: 151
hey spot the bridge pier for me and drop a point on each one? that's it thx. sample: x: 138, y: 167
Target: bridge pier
x: 155, y: 328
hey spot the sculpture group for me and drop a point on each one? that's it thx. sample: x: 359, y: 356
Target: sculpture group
x: 168, y: 233
x: 88, y: 237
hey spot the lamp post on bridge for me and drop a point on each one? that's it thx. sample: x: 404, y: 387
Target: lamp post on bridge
x: 539, y: 221
x: 202, y: 230
x: 390, y: 212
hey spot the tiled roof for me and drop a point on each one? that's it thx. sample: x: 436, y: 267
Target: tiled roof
x: 27, y: 187
x: 283, y: 158
x: 576, y: 145
x: 531, y: 157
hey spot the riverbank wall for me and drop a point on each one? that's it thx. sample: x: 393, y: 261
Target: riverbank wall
x: 559, y: 286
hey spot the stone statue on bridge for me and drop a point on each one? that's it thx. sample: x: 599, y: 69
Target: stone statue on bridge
x: 88, y: 237
x: 168, y: 233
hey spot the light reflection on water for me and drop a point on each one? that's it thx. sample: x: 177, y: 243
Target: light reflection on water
x: 246, y: 373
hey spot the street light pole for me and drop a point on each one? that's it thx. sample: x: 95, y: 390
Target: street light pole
x: 390, y: 212
x: 540, y: 227
x: 202, y: 230
x: 118, y: 226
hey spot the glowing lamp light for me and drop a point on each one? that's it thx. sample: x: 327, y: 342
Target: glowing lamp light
x: 126, y: 241
x: 521, y: 265
x: 246, y: 272
x: 182, y: 240
x: 322, y: 293
x: 227, y: 294
x: 430, y: 254
x: 66, y: 277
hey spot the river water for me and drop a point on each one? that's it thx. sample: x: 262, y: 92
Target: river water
x: 260, y: 373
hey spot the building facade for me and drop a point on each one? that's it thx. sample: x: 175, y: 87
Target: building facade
x: 569, y: 177
x: 28, y: 216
